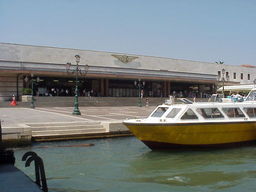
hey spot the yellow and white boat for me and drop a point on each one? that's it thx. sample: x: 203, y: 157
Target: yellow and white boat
x: 198, y: 125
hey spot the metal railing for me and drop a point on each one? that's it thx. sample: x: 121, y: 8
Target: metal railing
x: 31, y: 156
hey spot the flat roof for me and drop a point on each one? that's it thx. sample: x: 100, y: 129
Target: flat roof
x: 238, y: 88
x: 54, y: 55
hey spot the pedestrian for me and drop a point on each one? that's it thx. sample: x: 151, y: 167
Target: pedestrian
x: 141, y: 94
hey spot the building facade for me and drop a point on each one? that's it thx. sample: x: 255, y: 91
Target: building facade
x: 109, y: 74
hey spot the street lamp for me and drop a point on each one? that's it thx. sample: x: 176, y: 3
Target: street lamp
x: 77, y: 70
x: 32, y: 87
x: 140, y: 85
x: 223, y: 73
x: 32, y: 105
x: 223, y: 79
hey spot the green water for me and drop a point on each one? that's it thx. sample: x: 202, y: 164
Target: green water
x: 125, y: 165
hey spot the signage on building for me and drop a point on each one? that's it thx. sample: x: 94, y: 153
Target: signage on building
x: 125, y: 58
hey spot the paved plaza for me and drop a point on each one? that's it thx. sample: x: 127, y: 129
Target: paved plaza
x: 18, y: 117
x: 58, y: 123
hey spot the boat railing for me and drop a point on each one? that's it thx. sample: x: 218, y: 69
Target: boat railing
x: 251, y: 96
x: 185, y: 100
x: 195, y: 100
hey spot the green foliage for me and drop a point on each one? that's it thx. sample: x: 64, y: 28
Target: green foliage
x: 220, y: 62
x: 26, y: 91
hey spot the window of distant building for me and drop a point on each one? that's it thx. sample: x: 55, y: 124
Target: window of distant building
x: 227, y: 75
x: 249, y: 77
x: 234, y: 75
x: 242, y: 76
x: 219, y: 74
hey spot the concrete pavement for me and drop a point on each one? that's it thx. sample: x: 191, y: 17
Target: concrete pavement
x: 58, y: 123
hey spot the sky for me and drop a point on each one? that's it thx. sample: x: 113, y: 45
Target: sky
x: 198, y: 30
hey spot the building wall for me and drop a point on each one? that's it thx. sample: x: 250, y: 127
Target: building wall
x: 50, y: 61
x: 238, y: 70
x: 8, y: 86
x: 40, y: 54
x: 108, y: 60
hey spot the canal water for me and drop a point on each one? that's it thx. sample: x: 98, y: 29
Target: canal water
x: 126, y: 164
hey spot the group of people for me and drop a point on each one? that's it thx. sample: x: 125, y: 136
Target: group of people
x: 190, y: 94
x: 64, y: 92
x: 237, y: 97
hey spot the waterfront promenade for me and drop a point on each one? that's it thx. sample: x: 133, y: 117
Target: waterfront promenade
x: 58, y: 123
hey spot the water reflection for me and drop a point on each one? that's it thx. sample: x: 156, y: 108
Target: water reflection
x: 220, y: 168
x: 125, y: 164
x: 70, y: 190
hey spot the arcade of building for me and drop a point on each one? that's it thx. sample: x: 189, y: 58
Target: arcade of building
x: 107, y: 75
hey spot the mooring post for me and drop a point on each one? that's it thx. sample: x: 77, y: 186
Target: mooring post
x: 1, y: 136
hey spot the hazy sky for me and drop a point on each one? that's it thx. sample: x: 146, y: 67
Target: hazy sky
x: 200, y: 30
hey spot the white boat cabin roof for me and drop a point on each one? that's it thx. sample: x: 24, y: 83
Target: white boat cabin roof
x: 201, y: 112
x: 204, y: 112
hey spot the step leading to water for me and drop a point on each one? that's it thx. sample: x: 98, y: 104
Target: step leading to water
x: 65, y: 130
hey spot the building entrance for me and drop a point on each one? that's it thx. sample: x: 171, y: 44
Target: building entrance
x: 99, y: 87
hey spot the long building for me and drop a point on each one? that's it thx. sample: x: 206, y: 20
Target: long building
x: 109, y: 74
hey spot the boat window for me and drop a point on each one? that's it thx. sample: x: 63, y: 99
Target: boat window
x: 251, y: 112
x: 210, y: 113
x: 159, y: 112
x: 189, y: 115
x: 173, y: 112
x: 251, y: 96
x: 233, y: 112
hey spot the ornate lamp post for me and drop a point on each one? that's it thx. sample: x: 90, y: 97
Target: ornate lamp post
x: 32, y: 104
x: 140, y: 85
x: 223, y: 79
x: 223, y: 75
x: 32, y: 87
x: 77, y: 70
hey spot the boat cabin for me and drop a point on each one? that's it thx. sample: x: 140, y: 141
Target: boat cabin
x: 202, y: 112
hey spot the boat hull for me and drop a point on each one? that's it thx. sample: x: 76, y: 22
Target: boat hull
x: 195, y: 135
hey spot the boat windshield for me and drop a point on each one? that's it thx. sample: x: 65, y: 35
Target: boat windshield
x: 233, y: 112
x: 173, y: 113
x: 159, y: 112
x: 251, y: 96
x: 189, y: 114
x: 209, y: 113
x: 250, y: 111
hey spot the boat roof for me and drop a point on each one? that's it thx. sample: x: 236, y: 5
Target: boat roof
x: 208, y: 104
x: 247, y: 87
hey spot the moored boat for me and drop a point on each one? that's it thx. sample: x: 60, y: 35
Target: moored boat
x: 194, y: 125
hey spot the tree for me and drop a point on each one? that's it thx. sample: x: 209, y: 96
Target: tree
x: 220, y: 62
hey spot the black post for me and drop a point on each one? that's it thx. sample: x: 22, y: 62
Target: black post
x: 76, y: 110
x: 32, y: 105
x: 17, y: 87
x: 1, y: 144
x: 140, y: 102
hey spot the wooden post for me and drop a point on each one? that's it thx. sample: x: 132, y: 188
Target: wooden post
x: 102, y: 87
x: 165, y: 88
x: 168, y: 88
x: 106, y: 87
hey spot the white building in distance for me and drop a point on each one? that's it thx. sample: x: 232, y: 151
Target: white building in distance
x: 110, y: 74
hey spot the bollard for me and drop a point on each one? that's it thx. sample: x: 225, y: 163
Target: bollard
x: 0, y: 134
x: 13, y: 102
x: 147, y: 103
